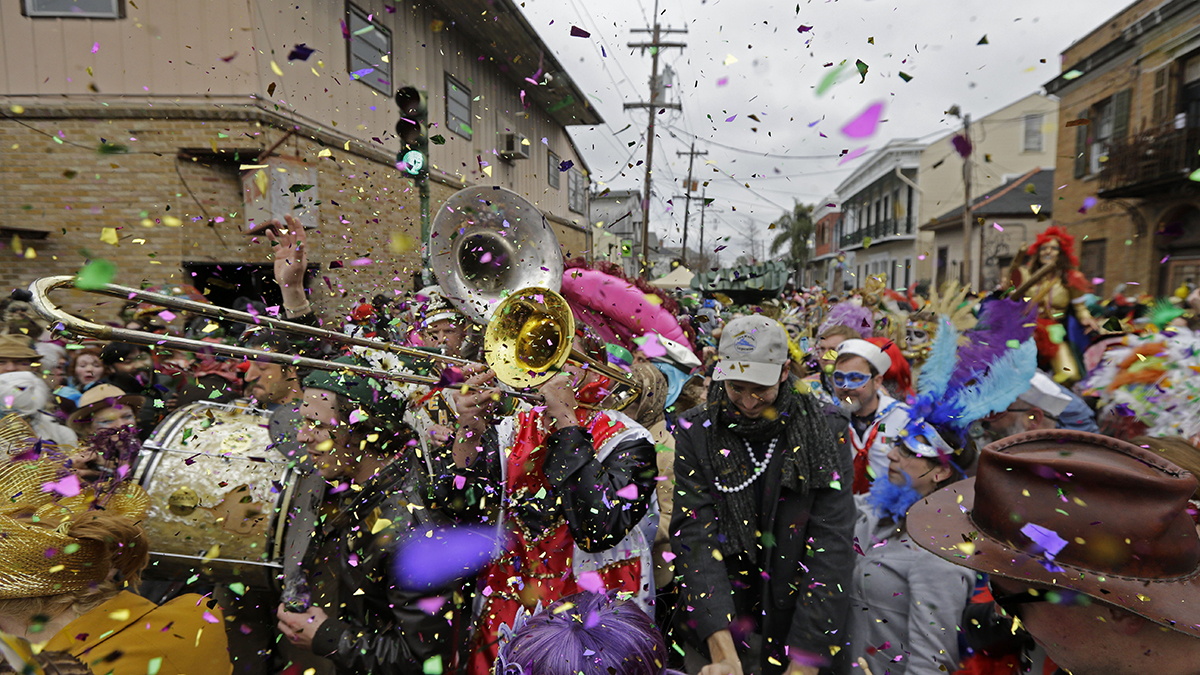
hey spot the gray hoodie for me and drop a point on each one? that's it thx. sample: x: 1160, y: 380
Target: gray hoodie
x: 906, y: 603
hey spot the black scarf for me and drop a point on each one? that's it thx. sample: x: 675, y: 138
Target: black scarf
x: 808, y: 448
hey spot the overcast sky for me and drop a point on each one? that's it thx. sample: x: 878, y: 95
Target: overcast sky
x: 748, y: 57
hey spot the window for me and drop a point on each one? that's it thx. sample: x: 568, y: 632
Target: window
x: 370, y: 47
x: 552, y: 172
x: 1092, y: 262
x: 80, y: 9
x: 1033, y: 133
x: 1108, y: 123
x: 576, y: 191
x: 458, y: 108
x: 1161, y: 103
x: 907, y: 273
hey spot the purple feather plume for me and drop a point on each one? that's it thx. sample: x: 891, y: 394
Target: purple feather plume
x: 849, y: 314
x: 1000, y: 321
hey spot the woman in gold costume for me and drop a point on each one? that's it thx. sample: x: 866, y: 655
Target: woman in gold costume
x: 1050, y: 272
x: 65, y: 559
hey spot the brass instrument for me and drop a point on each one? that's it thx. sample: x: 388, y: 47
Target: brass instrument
x: 61, y: 320
x: 476, y: 238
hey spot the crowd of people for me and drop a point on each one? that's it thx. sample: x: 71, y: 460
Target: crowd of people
x: 865, y: 481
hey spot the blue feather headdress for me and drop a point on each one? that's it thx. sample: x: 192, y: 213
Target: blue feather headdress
x: 982, y: 371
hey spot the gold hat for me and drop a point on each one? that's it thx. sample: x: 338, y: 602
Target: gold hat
x: 38, y: 555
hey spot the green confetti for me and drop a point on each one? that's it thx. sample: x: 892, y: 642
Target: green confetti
x: 982, y: 40
x: 432, y: 665
x: 662, y: 448
x: 830, y: 78
x: 1012, y: 344
x: 437, y: 139
x: 905, y: 76
x: 1057, y: 333
x: 297, y: 188
x: 1072, y: 74
x: 153, y: 665
x: 238, y: 587
x: 95, y: 274
x: 867, y: 242
x: 862, y: 70
x: 835, y: 484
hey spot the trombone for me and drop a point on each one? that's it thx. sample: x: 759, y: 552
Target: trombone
x: 60, y: 320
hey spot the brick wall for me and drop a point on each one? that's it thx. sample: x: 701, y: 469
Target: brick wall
x: 74, y: 192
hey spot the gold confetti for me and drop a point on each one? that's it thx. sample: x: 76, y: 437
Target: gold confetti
x: 108, y: 235
x: 172, y: 221
x: 325, y: 153
x: 276, y: 69
x: 380, y: 525
x: 212, y: 553
x: 119, y: 615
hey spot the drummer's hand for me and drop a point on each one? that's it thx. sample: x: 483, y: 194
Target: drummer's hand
x: 289, y: 250
x: 476, y: 406
x: 300, y: 629
x: 560, y: 400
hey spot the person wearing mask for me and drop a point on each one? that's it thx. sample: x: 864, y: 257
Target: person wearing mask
x: 78, y: 558
x: 876, y: 419
x: 906, y: 601
x: 1088, y: 545
x: 825, y: 355
x: 763, y: 517
x: 353, y: 432
x: 24, y: 393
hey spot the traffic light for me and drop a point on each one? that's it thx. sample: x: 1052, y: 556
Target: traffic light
x: 413, y: 158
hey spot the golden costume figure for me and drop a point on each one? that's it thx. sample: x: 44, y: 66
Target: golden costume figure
x: 1048, y: 273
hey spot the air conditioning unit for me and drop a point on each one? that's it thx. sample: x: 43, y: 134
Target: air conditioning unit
x: 514, y: 146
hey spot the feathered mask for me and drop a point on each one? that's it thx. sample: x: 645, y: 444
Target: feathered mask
x: 959, y: 385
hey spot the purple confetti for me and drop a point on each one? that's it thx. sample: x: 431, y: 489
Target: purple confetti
x: 1047, y: 540
x: 432, y: 557
x: 730, y: 119
x: 576, y: 31
x: 300, y: 52
x: 864, y: 125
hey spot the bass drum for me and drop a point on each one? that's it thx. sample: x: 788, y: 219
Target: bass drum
x: 219, y: 496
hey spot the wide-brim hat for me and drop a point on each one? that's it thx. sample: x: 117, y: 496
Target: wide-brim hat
x: 98, y: 398
x: 16, y: 346
x: 1074, y: 511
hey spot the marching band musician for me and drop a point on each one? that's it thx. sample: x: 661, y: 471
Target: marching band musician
x: 572, y: 483
x: 355, y: 615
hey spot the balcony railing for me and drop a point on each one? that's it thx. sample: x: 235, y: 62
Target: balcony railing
x: 1145, y: 163
x: 877, y: 231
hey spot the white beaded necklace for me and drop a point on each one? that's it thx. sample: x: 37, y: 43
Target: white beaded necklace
x: 759, y: 467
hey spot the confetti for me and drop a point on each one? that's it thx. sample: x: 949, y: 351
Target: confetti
x: 431, y: 557
x: 865, y: 124
x: 628, y: 492
x: 95, y: 274
x: 108, y: 235
x: 95, y: 47
x: 853, y: 154
x: 67, y: 487
x: 300, y: 52
x: 590, y: 581
x: 276, y: 69
x: 578, y: 32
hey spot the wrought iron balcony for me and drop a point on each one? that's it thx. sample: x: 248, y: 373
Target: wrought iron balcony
x: 1149, y: 163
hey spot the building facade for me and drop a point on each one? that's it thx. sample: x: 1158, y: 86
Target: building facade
x: 1006, y: 144
x: 822, y: 259
x: 1007, y: 219
x: 617, y: 227
x: 1130, y: 108
x: 129, y: 133
x: 880, y: 204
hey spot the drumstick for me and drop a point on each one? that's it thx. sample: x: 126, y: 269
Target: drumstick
x: 863, y: 663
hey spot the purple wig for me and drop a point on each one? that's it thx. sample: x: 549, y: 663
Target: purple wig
x: 848, y: 314
x: 585, y: 634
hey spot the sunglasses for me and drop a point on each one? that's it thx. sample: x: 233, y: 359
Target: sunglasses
x: 844, y: 380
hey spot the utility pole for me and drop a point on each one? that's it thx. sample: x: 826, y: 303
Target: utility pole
x: 703, y: 206
x: 655, y: 46
x: 687, y: 196
x: 968, y: 221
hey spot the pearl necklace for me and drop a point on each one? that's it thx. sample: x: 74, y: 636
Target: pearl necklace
x: 759, y: 467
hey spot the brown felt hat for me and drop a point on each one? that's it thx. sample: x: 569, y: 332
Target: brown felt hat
x: 16, y: 346
x: 100, y: 397
x: 1116, y: 513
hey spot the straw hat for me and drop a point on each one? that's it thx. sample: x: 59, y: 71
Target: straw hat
x: 98, y: 398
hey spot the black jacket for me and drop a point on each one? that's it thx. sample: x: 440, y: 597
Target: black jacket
x: 379, y: 627
x: 584, y: 489
x: 805, y: 564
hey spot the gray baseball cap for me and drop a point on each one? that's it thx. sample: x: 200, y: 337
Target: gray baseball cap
x: 753, y: 349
